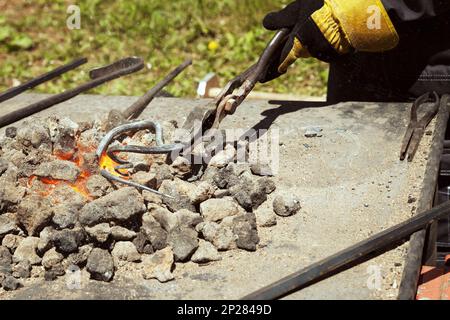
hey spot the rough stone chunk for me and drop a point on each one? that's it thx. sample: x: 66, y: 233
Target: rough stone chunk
x: 45, y: 240
x: 220, y: 235
x: 67, y: 240
x: 10, y: 283
x: 5, y: 257
x: 217, y: 209
x: 78, y: 258
x: 10, y: 195
x: 120, y: 233
x: 181, y: 166
x: 248, y: 193
x: 66, y: 195
x: 145, y: 178
x: 262, y: 168
x: 12, y: 241
x: 179, y: 191
x: 154, y: 232
x: 222, y: 158
x: 142, y: 244
x: 183, y: 242
x: 162, y: 173
x: 63, y: 134
x: 126, y: 251
x: 22, y: 270
x: 286, y: 205
x: 168, y: 220
x: 27, y: 251
x: 58, y: 170
x: 65, y: 215
x: 98, y: 186
x: 205, y: 253
x: 159, y: 265
x: 188, y: 218
x: 34, y: 213
x: 246, y: 231
x: 100, y: 265
x: 51, y: 258
x: 7, y: 224
x: 202, y: 192
x: 119, y: 205
x: 99, y: 232
x: 265, y: 217
x: 32, y: 133
x: 266, y: 184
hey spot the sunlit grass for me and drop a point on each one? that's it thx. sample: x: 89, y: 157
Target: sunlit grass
x: 224, y: 37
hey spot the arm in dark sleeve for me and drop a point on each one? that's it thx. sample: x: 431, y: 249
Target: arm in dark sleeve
x: 414, y: 10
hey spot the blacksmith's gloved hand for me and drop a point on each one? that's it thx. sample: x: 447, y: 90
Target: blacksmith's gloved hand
x: 326, y: 29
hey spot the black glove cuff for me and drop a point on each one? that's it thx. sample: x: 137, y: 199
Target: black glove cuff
x: 314, y: 41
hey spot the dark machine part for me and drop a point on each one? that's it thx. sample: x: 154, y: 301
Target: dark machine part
x: 99, y: 76
x: 12, y: 92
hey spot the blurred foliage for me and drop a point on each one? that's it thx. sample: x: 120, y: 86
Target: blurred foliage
x: 224, y: 37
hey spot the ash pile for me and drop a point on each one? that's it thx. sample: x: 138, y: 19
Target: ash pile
x: 59, y: 215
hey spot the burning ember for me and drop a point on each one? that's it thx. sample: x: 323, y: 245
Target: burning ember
x: 55, y: 201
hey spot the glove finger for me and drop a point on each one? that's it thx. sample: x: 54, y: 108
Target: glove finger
x: 285, y: 18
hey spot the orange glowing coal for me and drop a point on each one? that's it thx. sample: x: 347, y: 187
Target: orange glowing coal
x: 76, y: 156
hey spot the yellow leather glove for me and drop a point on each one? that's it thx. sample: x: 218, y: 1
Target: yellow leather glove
x: 326, y: 29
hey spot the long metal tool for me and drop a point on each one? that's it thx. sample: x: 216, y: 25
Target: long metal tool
x: 12, y: 92
x: 349, y: 257
x: 134, y: 111
x: 416, y: 127
x: 99, y: 76
x: 422, y: 245
x: 209, y: 116
x: 235, y: 92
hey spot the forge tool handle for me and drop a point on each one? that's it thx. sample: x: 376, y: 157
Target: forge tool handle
x: 12, y: 92
x: 100, y: 75
x: 133, y: 111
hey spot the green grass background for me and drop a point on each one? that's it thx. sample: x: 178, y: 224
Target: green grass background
x: 222, y: 36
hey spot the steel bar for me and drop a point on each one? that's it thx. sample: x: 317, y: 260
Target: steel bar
x: 164, y: 149
x: 100, y: 76
x: 411, y: 272
x: 12, y: 92
x: 347, y: 258
x: 106, y: 174
x: 134, y: 126
x: 135, y: 110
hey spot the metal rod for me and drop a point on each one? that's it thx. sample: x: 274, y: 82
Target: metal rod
x: 134, y: 126
x: 12, y: 92
x: 163, y: 149
x: 115, y: 70
x: 135, y: 110
x: 106, y: 174
x: 349, y: 257
x: 411, y: 272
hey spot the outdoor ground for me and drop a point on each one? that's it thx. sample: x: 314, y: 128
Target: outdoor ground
x: 224, y: 37
x: 350, y: 188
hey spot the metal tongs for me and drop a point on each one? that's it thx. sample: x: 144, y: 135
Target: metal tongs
x: 416, y: 127
x: 235, y: 91
x: 198, y: 122
x: 209, y: 116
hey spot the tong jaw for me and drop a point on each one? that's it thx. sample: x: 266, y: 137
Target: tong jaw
x: 235, y: 92
x: 416, y: 127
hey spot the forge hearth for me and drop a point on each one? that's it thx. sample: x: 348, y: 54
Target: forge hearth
x: 57, y: 213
